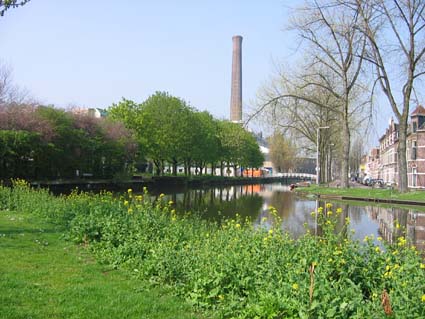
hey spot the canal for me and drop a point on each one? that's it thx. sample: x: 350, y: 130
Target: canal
x: 295, y: 211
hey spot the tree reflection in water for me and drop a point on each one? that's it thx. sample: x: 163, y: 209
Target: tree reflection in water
x: 254, y: 201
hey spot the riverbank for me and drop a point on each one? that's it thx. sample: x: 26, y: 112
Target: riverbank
x: 233, y: 269
x: 155, y: 182
x: 375, y: 195
x: 44, y: 276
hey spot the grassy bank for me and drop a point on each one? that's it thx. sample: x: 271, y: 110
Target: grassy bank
x: 232, y: 269
x: 365, y: 193
x: 43, y: 276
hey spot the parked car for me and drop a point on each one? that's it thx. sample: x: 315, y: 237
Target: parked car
x: 377, y: 182
x: 367, y: 180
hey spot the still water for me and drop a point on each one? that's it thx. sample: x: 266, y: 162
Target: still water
x: 254, y: 201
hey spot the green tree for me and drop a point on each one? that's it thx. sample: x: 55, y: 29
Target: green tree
x: 207, y: 143
x: 18, y: 149
x: 252, y: 156
x: 238, y: 146
x: 165, y: 129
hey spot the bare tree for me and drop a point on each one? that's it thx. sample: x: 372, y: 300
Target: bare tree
x: 9, y: 92
x: 8, y: 4
x: 282, y: 152
x: 334, y: 60
x: 395, y: 30
x: 357, y: 151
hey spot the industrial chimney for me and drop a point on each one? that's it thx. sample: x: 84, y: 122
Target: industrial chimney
x: 236, y: 94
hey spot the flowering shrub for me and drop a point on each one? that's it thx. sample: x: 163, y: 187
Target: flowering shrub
x: 237, y: 271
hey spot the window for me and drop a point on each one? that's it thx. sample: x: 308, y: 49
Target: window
x: 414, y: 144
x: 414, y: 176
x: 415, y: 126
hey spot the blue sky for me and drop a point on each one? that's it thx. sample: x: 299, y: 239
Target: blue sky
x: 93, y: 53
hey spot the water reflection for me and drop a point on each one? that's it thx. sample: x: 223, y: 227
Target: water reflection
x: 295, y: 212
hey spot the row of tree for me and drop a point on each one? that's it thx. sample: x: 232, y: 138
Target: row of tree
x: 351, y: 50
x: 41, y: 142
x: 171, y: 133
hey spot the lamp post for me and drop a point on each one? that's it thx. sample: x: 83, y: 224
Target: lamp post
x: 318, y: 154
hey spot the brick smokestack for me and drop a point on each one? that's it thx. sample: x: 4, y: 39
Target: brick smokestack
x: 236, y: 94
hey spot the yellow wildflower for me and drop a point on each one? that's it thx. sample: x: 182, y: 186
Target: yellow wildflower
x: 379, y: 238
x: 401, y: 241
x: 170, y: 202
x: 423, y: 298
x: 328, y: 205
x: 161, y: 195
x: 377, y: 249
x: 238, y: 225
x: 339, y: 210
x: 295, y: 286
x: 271, y: 231
x: 422, y: 266
x: 130, y: 210
x: 126, y: 203
x: 330, y: 213
x: 129, y: 190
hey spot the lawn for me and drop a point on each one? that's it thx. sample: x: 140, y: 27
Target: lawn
x: 44, y: 276
x: 365, y: 193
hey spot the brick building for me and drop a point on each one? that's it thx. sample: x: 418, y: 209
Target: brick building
x: 382, y: 162
x: 416, y: 149
x: 370, y: 166
x: 388, y: 145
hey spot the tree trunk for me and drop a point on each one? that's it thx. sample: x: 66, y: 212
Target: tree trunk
x: 401, y: 156
x: 345, y: 140
x: 174, y: 167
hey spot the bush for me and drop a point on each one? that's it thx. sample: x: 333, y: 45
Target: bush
x: 236, y: 270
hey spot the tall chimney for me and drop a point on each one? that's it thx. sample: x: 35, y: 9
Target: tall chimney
x: 236, y: 94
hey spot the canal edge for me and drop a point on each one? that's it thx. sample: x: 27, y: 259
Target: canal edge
x: 372, y: 200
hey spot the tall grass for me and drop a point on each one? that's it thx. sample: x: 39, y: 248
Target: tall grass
x: 237, y: 271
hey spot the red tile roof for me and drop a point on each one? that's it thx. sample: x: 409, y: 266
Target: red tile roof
x: 420, y: 110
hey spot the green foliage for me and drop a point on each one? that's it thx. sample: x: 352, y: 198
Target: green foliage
x: 239, y: 146
x: 48, y: 143
x: 237, y: 271
x: 171, y: 132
